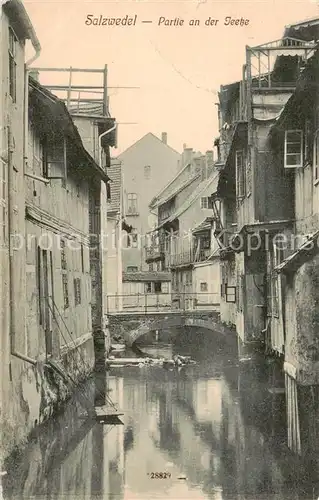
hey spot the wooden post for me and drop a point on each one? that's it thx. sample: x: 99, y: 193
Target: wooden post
x: 269, y: 72
x: 259, y: 78
x: 105, y: 98
x: 69, y: 89
x: 64, y: 161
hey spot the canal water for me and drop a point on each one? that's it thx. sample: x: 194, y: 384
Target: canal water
x: 211, y: 430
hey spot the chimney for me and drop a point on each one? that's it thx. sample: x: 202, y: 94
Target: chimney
x: 164, y: 137
x: 187, y: 156
x: 34, y: 74
x: 209, y: 162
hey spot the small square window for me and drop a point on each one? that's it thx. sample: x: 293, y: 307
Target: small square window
x: 131, y: 269
x: 204, y: 202
x: 203, y: 287
x: 147, y: 171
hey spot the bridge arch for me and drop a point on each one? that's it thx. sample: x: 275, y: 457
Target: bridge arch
x: 130, y: 327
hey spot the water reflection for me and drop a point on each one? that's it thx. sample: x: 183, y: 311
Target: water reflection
x: 214, y: 441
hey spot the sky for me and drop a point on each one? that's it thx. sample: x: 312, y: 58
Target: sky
x: 177, y: 70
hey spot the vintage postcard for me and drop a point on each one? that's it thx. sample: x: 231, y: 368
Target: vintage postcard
x: 159, y: 249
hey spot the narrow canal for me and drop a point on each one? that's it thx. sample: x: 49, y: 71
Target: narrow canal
x: 206, y: 431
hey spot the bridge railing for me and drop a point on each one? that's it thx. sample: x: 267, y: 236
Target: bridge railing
x: 163, y: 302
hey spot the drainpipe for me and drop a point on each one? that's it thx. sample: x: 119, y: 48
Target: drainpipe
x: 100, y: 141
x: 104, y: 313
x: 37, y: 47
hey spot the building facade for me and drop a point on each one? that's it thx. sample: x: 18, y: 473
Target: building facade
x: 98, y: 132
x: 267, y: 189
x: 147, y: 166
x: 15, y: 31
x: 52, y: 311
x: 183, y: 241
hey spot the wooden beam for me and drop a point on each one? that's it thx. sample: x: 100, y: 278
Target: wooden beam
x: 75, y: 70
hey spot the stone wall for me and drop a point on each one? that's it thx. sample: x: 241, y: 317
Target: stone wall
x: 123, y: 326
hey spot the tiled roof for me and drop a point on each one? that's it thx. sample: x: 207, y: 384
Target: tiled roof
x: 87, y: 108
x: 147, y: 276
x: 205, y: 224
x: 115, y: 174
x: 201, y: 188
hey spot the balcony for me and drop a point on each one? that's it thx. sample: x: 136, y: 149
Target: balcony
x: 181, y: 259
x: 153, y: 254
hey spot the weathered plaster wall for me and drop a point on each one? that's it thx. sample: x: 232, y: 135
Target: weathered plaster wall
x: 52, y: 464
x: 163, y: 160
x: 307, y: 319
x: 36, y: 392
x: 11, y: 167
x: 207, y: 273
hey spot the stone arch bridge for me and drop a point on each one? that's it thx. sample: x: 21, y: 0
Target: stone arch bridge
x: 131, y: 326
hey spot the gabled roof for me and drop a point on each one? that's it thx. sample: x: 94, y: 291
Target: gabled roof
x: 115, y: 173
x: 160, y: 198
x: 306, y: 30
x: 205, y: 224
x: 190, y: 200
x: 149, y: 134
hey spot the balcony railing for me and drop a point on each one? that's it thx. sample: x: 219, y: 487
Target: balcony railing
x: 163, y: 302
x: 182, y: 258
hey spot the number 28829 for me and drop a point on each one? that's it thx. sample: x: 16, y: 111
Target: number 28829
x: 159, y: 475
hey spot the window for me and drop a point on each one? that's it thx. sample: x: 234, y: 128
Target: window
x: 274, y: 258
x: 77, y: 291
x: 132, y: 239
x: 82, y: 259
x: 316, y: 158
x: 3, y: 203
x: 148, y: 287
x: 158, y: 287
x: 132, y: 204
x: 151, y: 267
x: 204, y: 202
x: 65, y: 287
x: 147, y: 171
x: 240, y: 174
x: 131, y: 269
x: 65, y: 281
x: 308, y: 139
x: 63, y: 256
x: 39, y: 153
x: 293, y: 149
x: 12, y: 65
x: 164, y: 287
x: 230, y: 293
x: 203, y: 286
